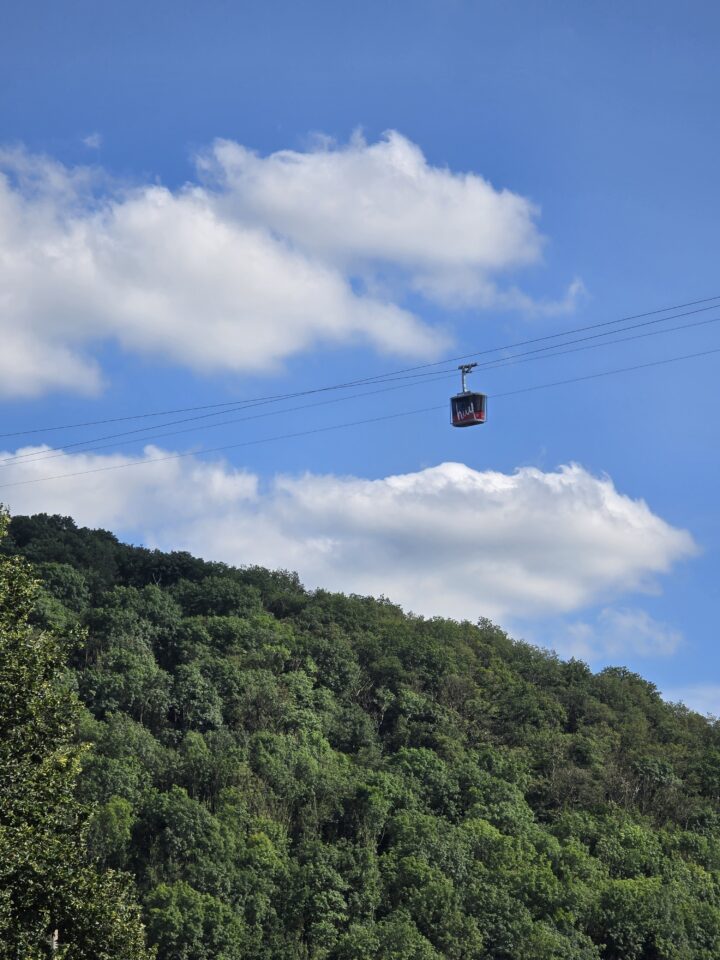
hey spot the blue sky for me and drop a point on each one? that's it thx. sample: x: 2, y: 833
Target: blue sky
x: 202, y: 204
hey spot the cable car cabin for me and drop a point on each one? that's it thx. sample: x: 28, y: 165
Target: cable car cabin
x: 468, y: 409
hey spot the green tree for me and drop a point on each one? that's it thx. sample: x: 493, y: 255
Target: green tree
x: 309, y: 776
x: 188, y: 925
x: 47, y: 882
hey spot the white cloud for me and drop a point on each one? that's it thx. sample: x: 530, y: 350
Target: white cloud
x: 702, y: 697
x: 367, y: 207
x: 465, y: 287
x: 164, y: 273
x: 266, y: 258
x: 447, y: 540
x: 378, y: 202
x: 30, y: 366
x: 618, y: 634
x: 93, y: 141
x: 148, y: 502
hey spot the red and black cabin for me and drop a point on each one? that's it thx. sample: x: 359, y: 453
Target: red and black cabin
x: 468, y: 409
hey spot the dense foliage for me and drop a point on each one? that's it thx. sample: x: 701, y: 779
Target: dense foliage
x: 52, y: 897
x: 306, y: 775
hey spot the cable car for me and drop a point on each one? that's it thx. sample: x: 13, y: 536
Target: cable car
x: 467, y: 409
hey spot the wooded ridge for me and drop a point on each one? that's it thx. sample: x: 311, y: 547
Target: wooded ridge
x: 297, y: 775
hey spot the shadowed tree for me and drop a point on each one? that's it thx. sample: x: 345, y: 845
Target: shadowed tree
x: 53, y: 899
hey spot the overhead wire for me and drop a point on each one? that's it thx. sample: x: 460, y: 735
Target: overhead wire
x: 596, y: 336
x: 379, y: 378
x: 554, y: 336
x: 607, y: 373
x: 546, y: 352
x: 346, y: 424
x: 55, y: 452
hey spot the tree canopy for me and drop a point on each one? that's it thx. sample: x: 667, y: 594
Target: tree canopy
x: 52, y: 895
x: 296, y: 775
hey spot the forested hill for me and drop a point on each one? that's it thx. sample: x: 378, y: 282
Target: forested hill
x: 292, y: 774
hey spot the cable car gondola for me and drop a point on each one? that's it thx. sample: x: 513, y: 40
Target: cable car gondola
x: 467, y: 409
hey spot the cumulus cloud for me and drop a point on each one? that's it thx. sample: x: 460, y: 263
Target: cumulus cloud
x: 30, y: 365
x: 371, y: 206
x: 446, y: 540
x: 618, y: 634
x: 378, y: 202
x: 148, y: 501
x: 259, y: 259
x: 702, y: 697
x: 164, y: 273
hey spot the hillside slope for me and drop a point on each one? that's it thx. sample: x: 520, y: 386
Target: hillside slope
x: 307, y: 775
